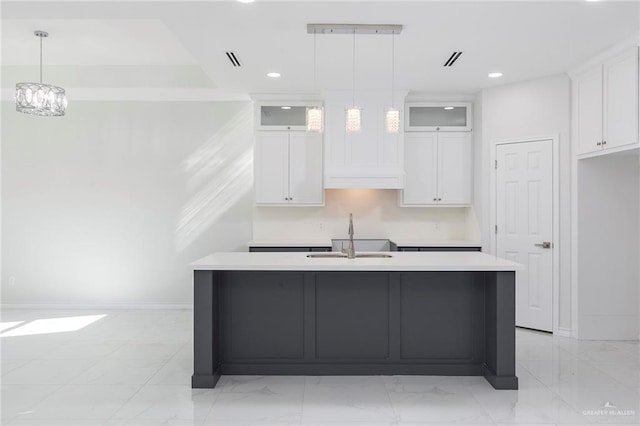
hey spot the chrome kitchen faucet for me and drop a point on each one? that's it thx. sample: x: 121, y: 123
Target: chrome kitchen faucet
x: 350, y: 251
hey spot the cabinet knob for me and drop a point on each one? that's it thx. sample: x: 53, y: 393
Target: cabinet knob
x: 604, y: 142
x: 435, y: 199
x: 439, y: 199
x: 599, y: 143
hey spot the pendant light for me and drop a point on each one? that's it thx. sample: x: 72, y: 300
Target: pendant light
x: 392, y: 118
x: 39, y: 98
x: 354, y: 114
x: 315, y: 115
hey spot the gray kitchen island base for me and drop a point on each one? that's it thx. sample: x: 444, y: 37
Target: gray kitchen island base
x: 354, y: 323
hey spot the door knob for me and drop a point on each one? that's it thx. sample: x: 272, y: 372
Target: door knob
x: 544, y: 244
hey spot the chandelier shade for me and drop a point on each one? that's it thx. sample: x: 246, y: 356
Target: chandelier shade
x: 40, y: 98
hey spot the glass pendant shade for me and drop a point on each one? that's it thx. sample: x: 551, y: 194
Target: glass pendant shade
x: 354, y: 119
x: 392, y: 120
x: 40, y: 99
x: 315, y: 120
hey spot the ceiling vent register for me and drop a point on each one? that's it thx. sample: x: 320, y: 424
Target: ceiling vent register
x: 452, y: 59
x: 233, y: 58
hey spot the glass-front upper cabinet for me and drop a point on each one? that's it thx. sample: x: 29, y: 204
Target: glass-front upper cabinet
x: 430, y: 116
x: 282, y: 115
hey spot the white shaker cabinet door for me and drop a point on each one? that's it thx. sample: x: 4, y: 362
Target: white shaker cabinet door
x: 421, y: 169
x: 454, y: 168
x: 305, y: 168
x: 272, y: 167
x: 621, y: 100
x: 588, y: 91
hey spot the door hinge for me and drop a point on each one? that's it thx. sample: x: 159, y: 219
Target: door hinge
x: 495, y: 164
x: 496, y: 229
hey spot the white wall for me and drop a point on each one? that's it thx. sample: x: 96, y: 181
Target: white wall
x: 109, y: 204
x: 608, y: 246
x: 533, y: 108
x: 376, y: 215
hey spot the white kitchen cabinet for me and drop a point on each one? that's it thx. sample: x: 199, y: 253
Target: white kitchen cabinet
x: 288, y: 168
x: 370, y: 158
x: 438, y: 169
x: 606, y: 104
x: 438, y: 116
x: 283, y: 114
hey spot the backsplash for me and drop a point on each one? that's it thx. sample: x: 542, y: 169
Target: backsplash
x: 376, y: 214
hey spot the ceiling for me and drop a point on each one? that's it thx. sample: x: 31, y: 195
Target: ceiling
x: 181, y: 45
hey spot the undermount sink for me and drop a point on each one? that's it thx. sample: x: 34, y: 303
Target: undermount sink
x: 342, y: 255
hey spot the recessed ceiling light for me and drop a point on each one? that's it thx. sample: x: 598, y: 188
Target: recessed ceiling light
x: 273, y: 74
x: 286, y: 107
x: 448, y: 107
x: 246, y: 1
x: 495, y: 75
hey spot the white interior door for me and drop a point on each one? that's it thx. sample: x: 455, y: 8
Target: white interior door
x: 524, y: 214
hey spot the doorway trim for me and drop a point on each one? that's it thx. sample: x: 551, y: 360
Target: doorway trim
x: 555, y: 184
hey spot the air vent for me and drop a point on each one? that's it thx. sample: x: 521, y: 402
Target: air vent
x: 452, y: 59
x: 234, y: 60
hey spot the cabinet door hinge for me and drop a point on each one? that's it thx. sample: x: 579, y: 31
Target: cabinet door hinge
x: 495, y: 164
x: 496, y: 229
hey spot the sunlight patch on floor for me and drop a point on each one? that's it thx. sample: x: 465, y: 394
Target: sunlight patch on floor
x: 52, y: 325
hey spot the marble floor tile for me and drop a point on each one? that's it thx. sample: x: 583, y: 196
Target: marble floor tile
x: 81, y: 402
x: 602, y: 404
x: 578, y: 372
x: 134, y: 368
x: 111, y: 371
x: 263, y: 384
x: 438, y: 404
x: 527, y: 406
x: 259, y: 407
x: 625, y: 373
x: 176, y: 371
x: 47, y: 372
x: 84, y: 349
x: 148, y: 349
x: 164, y: 403
x: 16, y: 399
x: 348, y: 399
x: 8, y: 365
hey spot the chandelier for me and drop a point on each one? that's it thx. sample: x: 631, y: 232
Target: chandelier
x: 39, y: 98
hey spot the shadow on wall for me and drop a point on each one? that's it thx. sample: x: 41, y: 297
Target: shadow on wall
x: 219, y: 174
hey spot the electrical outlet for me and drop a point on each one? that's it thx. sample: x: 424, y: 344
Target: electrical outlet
x: 12, y: 280
x: 321, y: 226
x: 437, y: 226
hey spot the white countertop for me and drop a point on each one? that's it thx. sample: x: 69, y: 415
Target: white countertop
x: 401, y: 261
x: 411, y: 242
x: 290, y: 243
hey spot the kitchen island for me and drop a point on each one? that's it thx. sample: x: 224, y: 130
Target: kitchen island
x: 431, y: 313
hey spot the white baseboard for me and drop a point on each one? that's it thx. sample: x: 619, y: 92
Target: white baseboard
x: 564, y: 332
x: 98, y: 306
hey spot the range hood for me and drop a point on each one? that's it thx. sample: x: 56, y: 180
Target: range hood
x: 369, y: 159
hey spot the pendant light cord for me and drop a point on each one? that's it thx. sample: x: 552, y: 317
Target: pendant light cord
x: 393, y: 64
x: 315, y: 55
x: 354, y: 68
